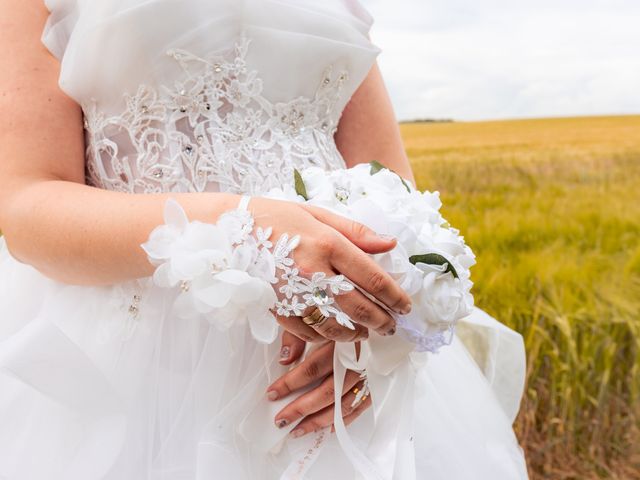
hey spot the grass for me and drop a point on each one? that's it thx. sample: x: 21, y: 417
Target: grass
x: 552, y: 209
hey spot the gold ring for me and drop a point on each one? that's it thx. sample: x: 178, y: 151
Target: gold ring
x: 315, y: 318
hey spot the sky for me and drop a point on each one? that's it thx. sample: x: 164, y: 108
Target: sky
x: 494, y: 59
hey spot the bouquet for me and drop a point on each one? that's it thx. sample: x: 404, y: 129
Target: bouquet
x: 233, y: 272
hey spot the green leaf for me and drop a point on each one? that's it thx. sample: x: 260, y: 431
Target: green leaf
x: 376, y: 166
x: 434, y: 259
x: 301, y: 188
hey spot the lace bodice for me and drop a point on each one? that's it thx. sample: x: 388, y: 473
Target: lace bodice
x: 228, y: 96
x: 212, y: 130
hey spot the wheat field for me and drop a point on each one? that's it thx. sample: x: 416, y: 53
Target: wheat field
x: 552, y: 209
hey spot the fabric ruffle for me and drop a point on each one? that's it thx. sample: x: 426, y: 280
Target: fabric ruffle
x: 103, y: 43
x: 60, y: 25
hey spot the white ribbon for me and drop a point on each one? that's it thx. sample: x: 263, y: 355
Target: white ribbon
x: 391, y: 377
x: 243, y: 205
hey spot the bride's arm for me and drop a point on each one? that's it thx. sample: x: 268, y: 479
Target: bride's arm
x: 50, y: 219
x: 369, y: 130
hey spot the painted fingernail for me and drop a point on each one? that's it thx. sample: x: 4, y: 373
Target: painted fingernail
x: 272, y: 395
x: 406, y: 309
x: 283, y: 422
x: 285, y: 352
x: 297, y: 433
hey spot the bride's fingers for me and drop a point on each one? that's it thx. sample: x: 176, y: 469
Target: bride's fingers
x: 347, y: 255
x: 357, y: 411
x: 291, y: 348
x: 314, y: 400
x: 325, y: 417
x: 363, y: 311
x: 296, y: 326
x: 332, y: 330
x: 360, y: 235
x: 316, y: 366
x: 367, y: 274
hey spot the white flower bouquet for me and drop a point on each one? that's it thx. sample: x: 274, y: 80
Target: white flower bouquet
x: 431, y: 261
x: 231, y: 272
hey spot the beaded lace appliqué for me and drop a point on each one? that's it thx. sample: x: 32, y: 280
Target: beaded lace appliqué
x: 212, y: 131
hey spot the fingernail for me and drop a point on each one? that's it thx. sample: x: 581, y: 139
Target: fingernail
x: 282, y: 423
x: 385, y: 236
x: 297, y: 433
x: 285, y: 352
x: 391, y: 331
x: 272, y: 395
x: 406, y: 309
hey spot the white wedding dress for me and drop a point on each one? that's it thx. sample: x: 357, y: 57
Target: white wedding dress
x: 104, y: 382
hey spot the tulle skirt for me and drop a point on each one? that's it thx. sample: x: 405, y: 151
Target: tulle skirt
x: 105, y: 383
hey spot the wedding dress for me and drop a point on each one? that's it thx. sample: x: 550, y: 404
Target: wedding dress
x: 104, y: 382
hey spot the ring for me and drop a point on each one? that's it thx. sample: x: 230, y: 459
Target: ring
x: 315, y: 318
x: 362, y: 393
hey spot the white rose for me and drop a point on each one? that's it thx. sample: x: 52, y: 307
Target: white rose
x: 396, y: 263
x: 286, y: 192
x: 443, y: 298
x: 316, y: 181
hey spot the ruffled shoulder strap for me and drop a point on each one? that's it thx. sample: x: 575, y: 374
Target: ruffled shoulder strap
x: 360, y: 14
x: 60, y: 24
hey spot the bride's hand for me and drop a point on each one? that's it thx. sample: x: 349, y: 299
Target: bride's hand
x: 315, y: 408
x: 335, y: 245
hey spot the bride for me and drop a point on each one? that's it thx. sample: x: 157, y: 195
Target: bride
x: 204, y: 101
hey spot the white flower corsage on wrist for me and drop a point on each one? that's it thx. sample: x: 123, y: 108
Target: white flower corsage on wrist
x: 231, y: 273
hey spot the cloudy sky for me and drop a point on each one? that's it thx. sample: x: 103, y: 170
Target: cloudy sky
x: 486, y: 59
